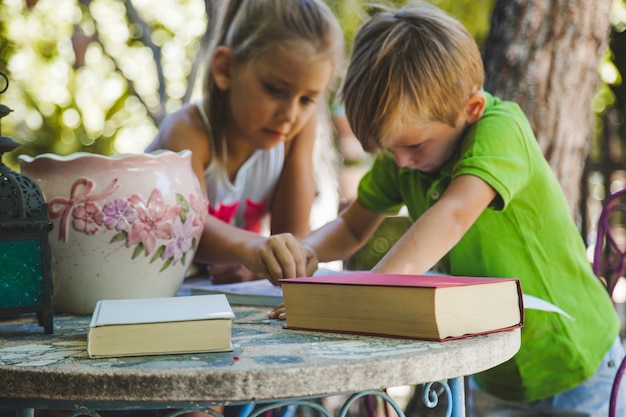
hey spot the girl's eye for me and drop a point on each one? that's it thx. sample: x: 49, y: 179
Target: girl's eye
x: 307, y: 100
x: 275, y: 91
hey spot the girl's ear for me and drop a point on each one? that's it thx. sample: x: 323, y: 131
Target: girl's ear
x: 221, y: 67
x: 475, y: 106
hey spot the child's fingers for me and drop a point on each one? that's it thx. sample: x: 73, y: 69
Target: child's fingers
x: 311, y: 260
x: 273, y: 268
x: 283, y: 257
x: 296, y: 258
x: 277, y: 312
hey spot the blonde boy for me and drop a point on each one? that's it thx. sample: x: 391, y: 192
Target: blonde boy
x: 484, y: 203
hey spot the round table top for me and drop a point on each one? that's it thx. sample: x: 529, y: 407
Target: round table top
x: 268, y: 362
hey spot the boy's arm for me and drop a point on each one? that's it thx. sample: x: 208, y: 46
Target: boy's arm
x: 439, y: 229
x: 340, y: 238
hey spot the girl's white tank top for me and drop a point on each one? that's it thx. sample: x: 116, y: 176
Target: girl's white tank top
x: 245, y: 202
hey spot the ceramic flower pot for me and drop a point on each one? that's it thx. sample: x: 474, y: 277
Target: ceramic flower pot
x: 125, y: 226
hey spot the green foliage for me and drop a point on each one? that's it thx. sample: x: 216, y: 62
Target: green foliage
x: 94, y: 75
x: 474, y: 14
x: 351, y: 14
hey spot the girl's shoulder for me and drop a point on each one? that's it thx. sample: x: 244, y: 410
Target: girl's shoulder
x: 184, y: 129
x: 187, y: 119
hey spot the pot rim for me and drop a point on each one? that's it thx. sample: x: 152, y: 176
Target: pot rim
x: 24, y: 158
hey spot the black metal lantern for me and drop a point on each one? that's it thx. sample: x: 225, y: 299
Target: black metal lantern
x: 25, y: 274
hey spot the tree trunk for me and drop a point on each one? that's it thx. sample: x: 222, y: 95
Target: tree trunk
x: 544, y: 55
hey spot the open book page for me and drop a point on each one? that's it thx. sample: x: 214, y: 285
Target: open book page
x: 259, y: 292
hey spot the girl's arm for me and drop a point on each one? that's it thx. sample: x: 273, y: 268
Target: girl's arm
x: 295, y: 190
x: 439, y: 229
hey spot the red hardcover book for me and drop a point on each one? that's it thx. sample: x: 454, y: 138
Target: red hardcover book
x: 430, y: 307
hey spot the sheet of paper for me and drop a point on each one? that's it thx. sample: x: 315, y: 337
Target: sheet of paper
x: 536, y: 303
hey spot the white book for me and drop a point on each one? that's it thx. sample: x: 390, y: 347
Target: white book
x: 154, y: 326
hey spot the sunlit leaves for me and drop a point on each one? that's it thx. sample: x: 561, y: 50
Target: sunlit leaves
x: 84, y: 76
x: 98, y: 75
x: 618, y: 15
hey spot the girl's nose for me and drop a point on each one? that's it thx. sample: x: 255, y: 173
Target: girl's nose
x: 288, y: 111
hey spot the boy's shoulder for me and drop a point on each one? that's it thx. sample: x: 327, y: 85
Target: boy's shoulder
x: 500, y: 115
x: 494, y: 104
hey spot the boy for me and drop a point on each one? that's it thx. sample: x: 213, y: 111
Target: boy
x: 484, y: 203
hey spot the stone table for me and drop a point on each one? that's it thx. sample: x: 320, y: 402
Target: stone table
x: 268, y: 364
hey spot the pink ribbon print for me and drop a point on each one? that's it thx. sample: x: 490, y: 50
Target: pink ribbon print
x: 80, y: 194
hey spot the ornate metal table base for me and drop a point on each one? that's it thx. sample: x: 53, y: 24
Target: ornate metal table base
x: 453, y: 390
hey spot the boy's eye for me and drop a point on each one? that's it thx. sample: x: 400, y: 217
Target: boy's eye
x: 415, y: 146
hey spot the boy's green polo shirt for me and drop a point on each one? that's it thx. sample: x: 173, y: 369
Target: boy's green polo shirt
x: 526, y: 233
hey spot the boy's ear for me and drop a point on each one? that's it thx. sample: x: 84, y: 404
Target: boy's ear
x: 475, y: 106
x: 221, y: 67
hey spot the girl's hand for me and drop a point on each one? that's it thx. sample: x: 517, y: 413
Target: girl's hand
x: 278, y: 312
x: 280, y: 256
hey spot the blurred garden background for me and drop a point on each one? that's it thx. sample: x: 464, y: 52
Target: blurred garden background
x: 99, y: 75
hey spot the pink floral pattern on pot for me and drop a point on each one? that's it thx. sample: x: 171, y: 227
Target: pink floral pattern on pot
x: 140, y: 224
x: 125, y: 226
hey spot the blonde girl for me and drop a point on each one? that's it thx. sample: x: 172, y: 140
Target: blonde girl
x: 252, y: 135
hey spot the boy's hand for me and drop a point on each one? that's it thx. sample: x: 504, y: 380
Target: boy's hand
x: 278, y: 312
x: 280, y: 256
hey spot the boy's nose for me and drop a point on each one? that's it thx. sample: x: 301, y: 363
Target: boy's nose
x: 402, y: 160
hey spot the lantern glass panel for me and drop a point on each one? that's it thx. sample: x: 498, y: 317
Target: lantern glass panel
x: 21, y: 278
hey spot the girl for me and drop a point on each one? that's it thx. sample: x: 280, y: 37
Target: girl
x: 253, y: 133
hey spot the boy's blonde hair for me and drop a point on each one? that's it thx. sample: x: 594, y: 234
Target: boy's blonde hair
x: 415, y: 64
x: 251, y: 28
